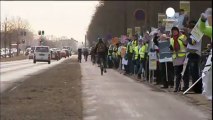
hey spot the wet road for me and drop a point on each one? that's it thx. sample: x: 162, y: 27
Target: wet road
x: 116, y: 97
x: 14, y: 72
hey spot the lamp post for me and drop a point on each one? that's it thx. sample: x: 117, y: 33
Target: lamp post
x: 170, y: 12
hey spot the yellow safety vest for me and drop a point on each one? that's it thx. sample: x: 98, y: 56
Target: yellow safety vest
x: 129, y: 47
x: 142, y: 51
x: 136, y: 52
x: 119, y: 51
x: 182, y: 47
x: 115, y: 51
x: 134, y: 43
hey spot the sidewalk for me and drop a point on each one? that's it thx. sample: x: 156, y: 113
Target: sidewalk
x: 198, y: 100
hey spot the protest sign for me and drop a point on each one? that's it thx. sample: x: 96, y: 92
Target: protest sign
x: 152, y: 60
x: 137, y: 30
x: 129, y: 32
x: 164, y: 52
x: 196, y: 33
x: 124, y: 61
x: 185, y: 5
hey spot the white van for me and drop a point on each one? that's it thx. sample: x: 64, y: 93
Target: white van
x: 42, y: 54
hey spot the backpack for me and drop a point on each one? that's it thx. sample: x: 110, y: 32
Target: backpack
x: 101, y: 47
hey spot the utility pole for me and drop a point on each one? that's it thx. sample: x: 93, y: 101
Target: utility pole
x: 5, y: 37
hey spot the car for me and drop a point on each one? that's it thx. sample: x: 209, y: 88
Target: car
x: 59, y: 55
x: 5, y: 52
x: 67, y: 52
x: 42, y: 54
x: 31, y: 52
x: 69, y: 49
x: 2, y: 53
x: 54, y: 55
x: 63, y: 53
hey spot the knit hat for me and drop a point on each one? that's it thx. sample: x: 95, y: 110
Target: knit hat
x: 175, y: 28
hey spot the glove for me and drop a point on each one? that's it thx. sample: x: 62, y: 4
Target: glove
x: 193, y: 42
x: 171, y: 48
x: 203, y: 17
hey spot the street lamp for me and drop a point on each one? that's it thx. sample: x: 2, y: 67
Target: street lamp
x: 170, y: 12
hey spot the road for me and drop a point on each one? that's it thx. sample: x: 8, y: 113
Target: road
x: 116, y: 97
x: 15, y: 72
x: 50, y: 94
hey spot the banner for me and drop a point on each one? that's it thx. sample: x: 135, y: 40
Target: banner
x: 164, y: 52
x: 196, y: 33
x: 138, y: 30
x: 129, y: 32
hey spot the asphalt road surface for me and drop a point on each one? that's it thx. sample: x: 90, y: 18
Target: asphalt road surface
x: 14, y: 72
x: 49, y: 92
x: 114, y: 96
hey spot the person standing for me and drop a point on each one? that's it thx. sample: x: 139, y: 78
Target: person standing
x: 79, y: 55
x: 207, y: 30
x: 178, y: 47
x: 142, y: 61
x: 135, y: 57
x: 129, y: 55
x: 194, y: 55
x: 166, y: 65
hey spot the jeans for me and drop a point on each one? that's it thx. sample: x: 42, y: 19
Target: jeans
x: 178, y: 69
x: 193, y: 70
x: 103, y: 56
x: 136, y: 66
x: 130, y: 64
x: 170, y: 74
x: 142, y: 67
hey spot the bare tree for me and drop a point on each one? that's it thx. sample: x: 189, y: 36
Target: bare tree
x: 14, y: 29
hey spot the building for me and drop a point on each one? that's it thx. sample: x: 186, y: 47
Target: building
x: 152, y: 8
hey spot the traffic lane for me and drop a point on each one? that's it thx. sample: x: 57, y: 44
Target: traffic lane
x: 117, y: 97
x: 14, y: 78
x: 13, y: 63
x: 21, y: 66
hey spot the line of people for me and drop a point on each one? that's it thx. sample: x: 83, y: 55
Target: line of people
x: 132, y: 56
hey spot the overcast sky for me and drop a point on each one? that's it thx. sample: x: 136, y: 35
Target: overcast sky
x: 58, y: 18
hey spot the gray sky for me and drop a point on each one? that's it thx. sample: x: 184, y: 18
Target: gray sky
x: 58, y: 18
